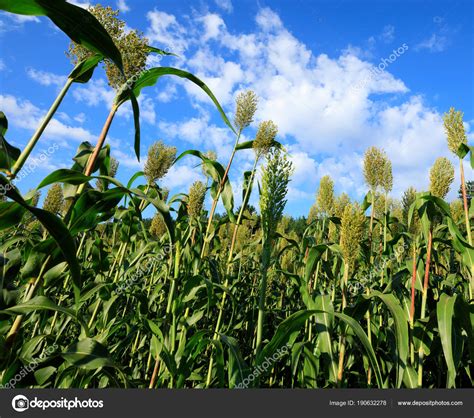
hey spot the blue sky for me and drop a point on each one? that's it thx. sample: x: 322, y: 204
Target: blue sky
x: 312, y: 63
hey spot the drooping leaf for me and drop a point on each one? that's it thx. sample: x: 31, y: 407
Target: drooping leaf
x: 445, y: 313
x: 88, y: 354
x: 56, y: 228
x: 77, y: 23
x: 401, y: 331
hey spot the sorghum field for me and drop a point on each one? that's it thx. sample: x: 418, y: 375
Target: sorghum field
x: 376, y: 293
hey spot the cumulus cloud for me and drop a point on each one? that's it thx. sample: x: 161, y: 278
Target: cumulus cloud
x: 225, y: 5
x: 123, y: 6
x: 435, y: 43
x: 165, y: 32
x: 23, y: 114
x: 329, y: 109
x: 45, y: 78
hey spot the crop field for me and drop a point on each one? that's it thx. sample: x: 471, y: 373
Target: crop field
x: 206, y: 293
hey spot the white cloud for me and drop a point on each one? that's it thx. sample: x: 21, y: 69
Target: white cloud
x: 123, y: 6
x: 435, y: 43
x: 23, y: 114
x: 225, y: 5
x: 2, y: 65
x: 388, y: 34
x: 313, y: 101
x: 23, y: 18
x: 213, y: 24
x: 45, y: 78
x: 268, y: 20
x: 180, y: 177
x: 80, y: 3
x: 94, y: 93
x: 166, y: 32
x: 168, y: 93
x: 201, y: 134
x: 80, y: 117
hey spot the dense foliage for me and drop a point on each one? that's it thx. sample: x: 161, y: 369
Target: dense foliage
x: 376, y: 293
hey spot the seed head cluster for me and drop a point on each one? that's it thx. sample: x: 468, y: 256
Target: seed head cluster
x: 441, y: 177
x: 133, y: 46
x: 374, y: 167
x: 246, y: 106
x: 275, y: 179
x: 325, y: 196
x: 454, y: 129
x: 196, y: 196
x: 266, y: 134
x: 54, y: 200
x: 160, y: 159
x: 352, y: 232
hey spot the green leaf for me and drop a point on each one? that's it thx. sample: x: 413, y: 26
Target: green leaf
x: 84, y: 69
x: 367, y: 201
x: 88, y: 354
x: 249, y: 145
x: 323, y: 329
x: 150, y: 77
x: 8, y: 153
x: 23, y: 7
x: 58, y: 231
x: 160, y: 51
x: 11, y: 214
x: 239, y: 368
x: 42, y: 303
x: 136, y: 121
x: 293, y: 324
x: 401, y: 331
x: 464, y: 313
x: 66, y: 176
x: 79, y: 24
x: 445, y: 313
x: 314, y: 256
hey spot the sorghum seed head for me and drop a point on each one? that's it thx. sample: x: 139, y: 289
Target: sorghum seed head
x: 352, y: 232
x: 266, y: 134
x: 196, y: 196
x: 313, y: 213
x: 457, y: 210
x: 211, y: 155
x: 387, y: 177
x: 160, y: 158
x: 275, y: 178
x: 132, y: 45
x: 113, y: 167
x: 158, y: 226
x: 54, y: 199
x: 454, y: 129
x: 246, y: 106
x: 408, y: 198
x: 441, y: 177
x: 374, y: 164
x: 325, y: 196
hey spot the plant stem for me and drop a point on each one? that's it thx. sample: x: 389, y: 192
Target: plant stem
x: 343, y: 339
x: 216, y: 199
x: 423, y: 303
x: 263, y: 290
x: 39, y: 131
x: 464, y: 199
